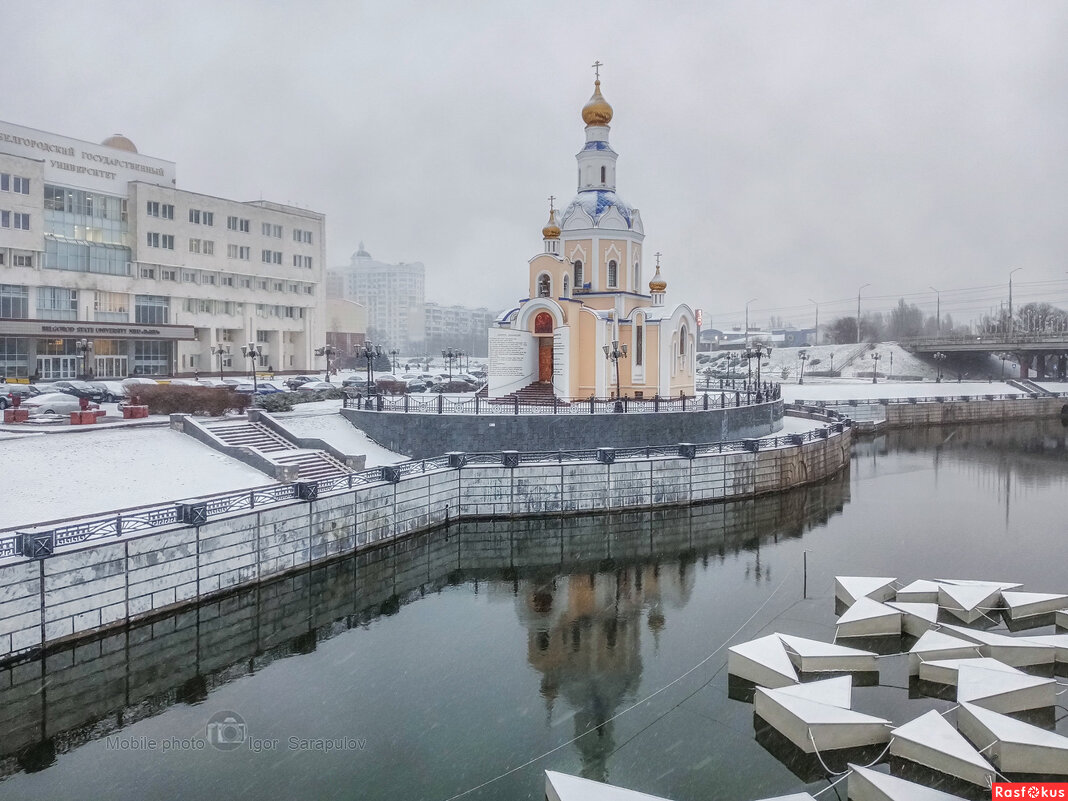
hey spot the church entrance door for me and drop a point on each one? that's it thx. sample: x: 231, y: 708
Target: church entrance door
x: 545, y: 358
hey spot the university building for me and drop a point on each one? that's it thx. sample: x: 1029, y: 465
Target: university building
x: 98, y: 247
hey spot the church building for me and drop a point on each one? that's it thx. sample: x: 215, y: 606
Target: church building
x: 588, y: 326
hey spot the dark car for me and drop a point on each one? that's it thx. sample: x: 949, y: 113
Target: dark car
x: 79, y: 389
x: 297, y: 380
x: 9, y: 391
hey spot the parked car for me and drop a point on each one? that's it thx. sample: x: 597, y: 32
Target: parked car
x: 358, y: 385
x: 79, y: 389
x: 113, y: 391
x: 267, y: 388
x: 9, y: 391
x: 184, y: 382
x: 295, y: 381
x: 53, y: 403
x: 316, y: 386
x: 416, y: 385
x: 213, y: 383
x: 133, y: 380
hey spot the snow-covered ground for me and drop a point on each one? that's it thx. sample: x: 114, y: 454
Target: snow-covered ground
x: 797, y: 425
x: 59, y: 475
x: 324, y: 422
x: 861, y: 390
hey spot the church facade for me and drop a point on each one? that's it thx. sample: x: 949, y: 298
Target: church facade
x: 587, y: 313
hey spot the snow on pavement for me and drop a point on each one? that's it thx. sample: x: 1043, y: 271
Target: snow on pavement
x: 334, y: 429
x: 866, y: 390
x: 60, y: 475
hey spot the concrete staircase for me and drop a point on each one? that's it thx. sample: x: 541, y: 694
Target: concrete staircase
x: 1030, y: 387
x: 540, y: 393
x: 251, y: 435
x: 312, y: 465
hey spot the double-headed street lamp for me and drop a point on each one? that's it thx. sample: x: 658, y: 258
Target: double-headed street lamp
x: 369, y: 351
x: 875, y: 369
x: 450, y: 355
x: 250, y: 352
x: 84, y: 347
x: 614, y: 353
x: 393, y: 366
x: 802, y: 357
x: 939, y: 358
x: 757, y: 352
x: 329, y: 351
x: 219, y: 351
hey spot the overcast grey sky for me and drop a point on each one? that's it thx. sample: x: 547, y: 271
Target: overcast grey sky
x: 777, y: 150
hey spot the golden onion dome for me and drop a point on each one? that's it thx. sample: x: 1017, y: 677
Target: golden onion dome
x: 551, y: 229
x: 597, y: 111
x: 658, y: 284
x: 119, y: 142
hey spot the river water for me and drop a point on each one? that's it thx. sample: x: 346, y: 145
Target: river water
x: 487, y: 653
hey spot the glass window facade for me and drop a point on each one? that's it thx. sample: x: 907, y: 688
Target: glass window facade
x: 14, y: 357
x: 57, y: 303
x: 14, y: 301
x: 85, y: 232
x: 151, y: 309
x: 151, y: 357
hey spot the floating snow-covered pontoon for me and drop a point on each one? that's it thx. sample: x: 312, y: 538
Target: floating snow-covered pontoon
x: 921, y: 591
x: 565, y: 787
x: 1015, y: 651
x: 816, y: 716
x: 1004, y: 692
x: 868, y: 618
x: 866, y: 784
x: 850, y: 589
x: 1030, y: 604
x: 1061, y: 619
x: 763, y: 661
x: 916, y: 618
x: 969, y: 602
x: 932, y: 742
x: 947, y: 671
x: 813, y: 656
x: 934, y: 645
x: 1014, y: 746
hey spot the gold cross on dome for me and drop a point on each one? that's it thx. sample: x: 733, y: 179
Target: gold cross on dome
x: 597, y: 69
x: 551, y: 199
x: 658, y: 255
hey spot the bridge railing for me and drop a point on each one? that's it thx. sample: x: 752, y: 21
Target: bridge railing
x: 42, y: 539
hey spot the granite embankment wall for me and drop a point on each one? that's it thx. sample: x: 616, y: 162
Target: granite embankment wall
x: 422, y: 435
x: 84, y: 589
x: 905, y: 415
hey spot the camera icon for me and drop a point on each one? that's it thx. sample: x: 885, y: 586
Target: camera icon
x: 226, y: 730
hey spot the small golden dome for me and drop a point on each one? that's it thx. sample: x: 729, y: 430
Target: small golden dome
x: 597, y: 111
x: 551, y: 229
x: 119, y: 142
x: 658, y: 284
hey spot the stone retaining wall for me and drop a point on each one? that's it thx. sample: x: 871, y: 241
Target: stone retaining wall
x: 904, y: 415
x: 79, y: 591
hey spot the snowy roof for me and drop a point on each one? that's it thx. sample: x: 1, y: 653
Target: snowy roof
x: 564, y: 787
x: 595, y: 202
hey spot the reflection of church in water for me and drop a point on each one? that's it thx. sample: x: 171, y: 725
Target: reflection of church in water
x: 584, y: 636
x: 585, y: 294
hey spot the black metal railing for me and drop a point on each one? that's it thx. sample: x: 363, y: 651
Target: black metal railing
x: 729, y: 395
x: 41, y: 540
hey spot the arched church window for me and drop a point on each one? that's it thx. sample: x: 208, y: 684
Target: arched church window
x: 544, y: 286
x: 567, y: 287
x: 602, y: 174
x: 682, y: 341
x: 639, y: 340
x: 543, y: 323
x: 613, y: 269
x: 637, y: 277
x: 578, y: 273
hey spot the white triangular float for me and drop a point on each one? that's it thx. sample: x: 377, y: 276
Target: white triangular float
x: 833, y: 692
x: 1004, y: 692
x: 850, y: 589
x: 763, y: 662
x: 1000, y: 585
x: 1014, y: 746
x: 813, y: 726
x: 930, y: 741
x: 868, y: 618
x: 1015, y: 651
x: 968, y: 602
x: 565, y: 787
x: 1029, y: 604
x: 945, y: 671
x: 917, y: 618
x: 866, y: 784
x: 1061, y: 619
x: 1058, y: 642
x: 937, y: 645
x: 813, y: 656
x: 921, y: 591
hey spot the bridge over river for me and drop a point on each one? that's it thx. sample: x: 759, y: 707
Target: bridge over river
x: 1044, y: 352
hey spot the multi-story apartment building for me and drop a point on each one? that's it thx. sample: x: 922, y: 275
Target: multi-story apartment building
x: 393, y: 294
x: 458, y: 327
x: 99, y: 247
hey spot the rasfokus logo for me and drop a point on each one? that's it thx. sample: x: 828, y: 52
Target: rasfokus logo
x: 1029, y: 790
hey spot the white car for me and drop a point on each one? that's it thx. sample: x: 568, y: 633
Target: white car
x: 113, y: 391
x: 127, y: 382
x: 53, y: 403
x: 317, y: 386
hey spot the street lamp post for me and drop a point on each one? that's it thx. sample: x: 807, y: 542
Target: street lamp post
x: 939, y: 360
x: 614, y: 353
x: 219, y: 351
x: 858, y: 310
x: 329, y: 351
x: 875, y: 370
x: 802, y: 357
x: 450, y: 355
x: 938, y: 307
x: 84, y: 347
x: 249, y: 352
x: 370, y: 352
x: 394, y: 353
